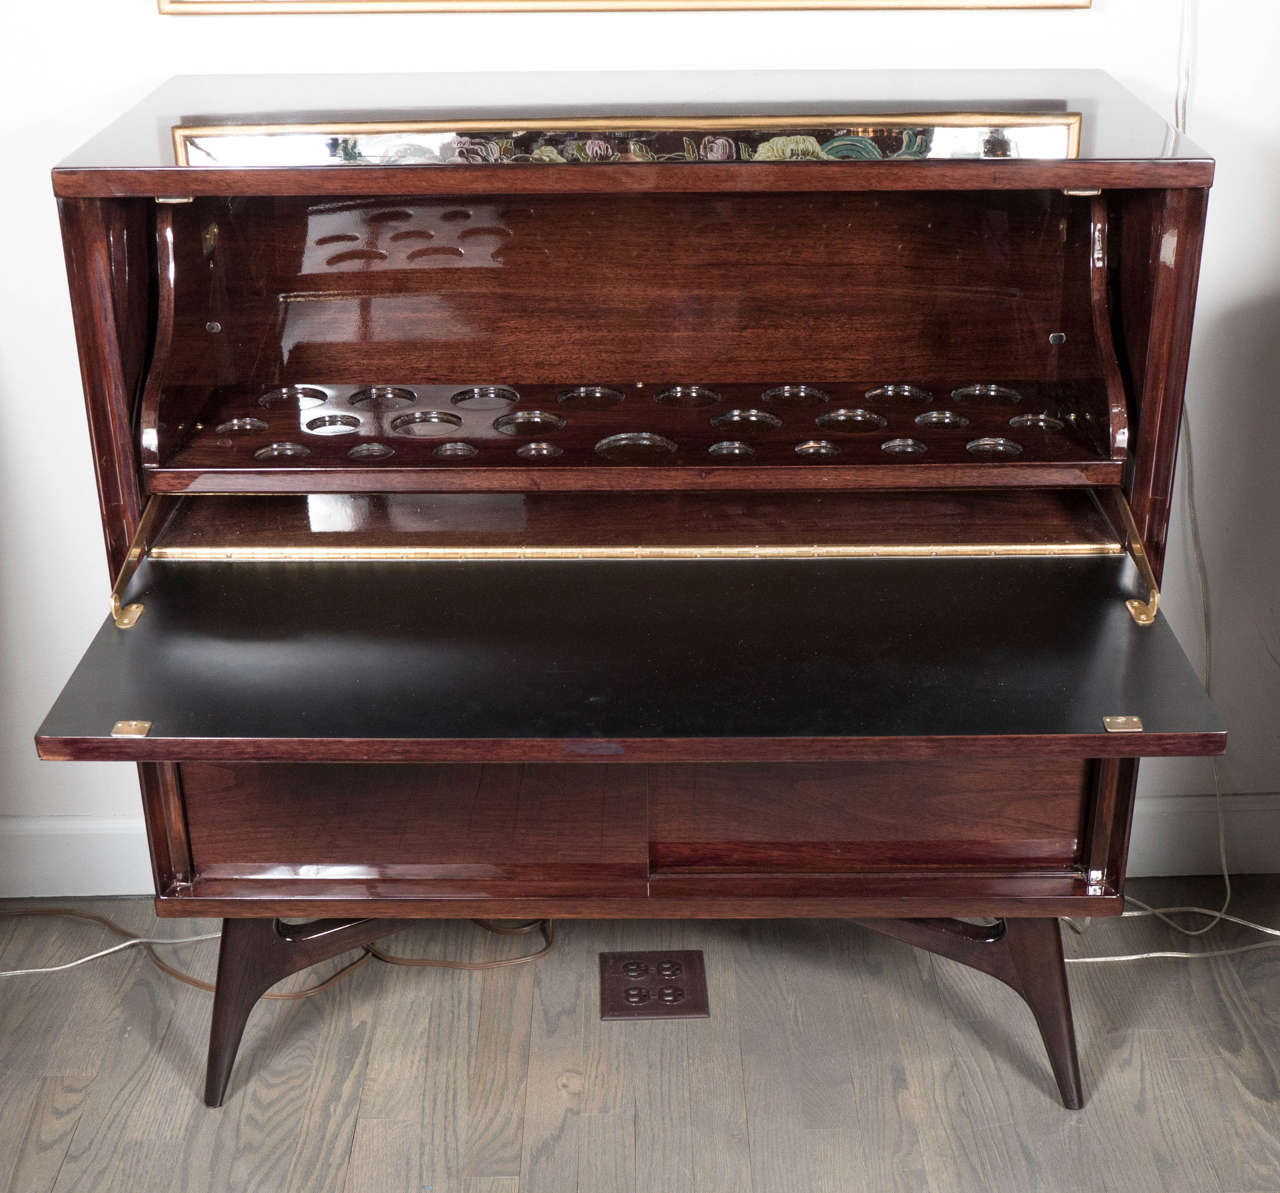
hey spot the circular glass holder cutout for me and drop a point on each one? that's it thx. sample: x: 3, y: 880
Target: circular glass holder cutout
x: 529, y: 423
x: 1036, y: 422
x: 293, y: 397
x: 889, y: 393
x: 903, y: 447
x: 635, y: 447
x: 455, y: 450
x: 1000, y: 395
x: 425, y: 424
x: 846, y: 419
x: 817, y: 447
x: 796, y: 395
x: 589, y: 397
x: 941, y: 418
x: 235, y: 426
x: 371, y: 451
x: 539, y: 450
x: 751, y: 420
x: 993, y: 445
x: 333, y: 424
x: 687, y: 396
x: 485, y: 397
x: 383, y: 397
x: 733, y: 448
x: 277, y: 451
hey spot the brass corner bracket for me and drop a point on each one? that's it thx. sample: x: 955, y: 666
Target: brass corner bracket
x: 126, y: 616
x: 1143, y: 612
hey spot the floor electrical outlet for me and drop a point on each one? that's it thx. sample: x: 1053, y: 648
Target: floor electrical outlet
x: 662, y: 984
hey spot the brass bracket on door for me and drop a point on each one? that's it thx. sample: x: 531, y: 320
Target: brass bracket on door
x: 1143, y: 612
x: 126, y: 616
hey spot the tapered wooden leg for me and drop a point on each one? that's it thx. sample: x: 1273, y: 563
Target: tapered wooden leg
x: 1025, y: 954
x: 254, y: 955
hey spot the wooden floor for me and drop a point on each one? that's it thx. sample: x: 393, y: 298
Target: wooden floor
x: 834, y: 1060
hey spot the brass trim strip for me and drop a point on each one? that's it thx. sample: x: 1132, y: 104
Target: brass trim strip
x: 241, y: 554
x: 126, y: 616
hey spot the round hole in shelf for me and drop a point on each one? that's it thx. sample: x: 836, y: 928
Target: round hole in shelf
x: 424, y: 424
x: 1036, y: 422
x: 851, y: 420
x: 275, y: 451
x: 987, y: 392
x: 383, y: 397
x: 796, y: 395
x: 817, y: 447
x: 731, y: 448
x: 371, y: 451
x: 753, y: 420
x: 941, y: 418
x: 233, y: 425
x: 485, y: 397
x: 333, y: 424
x: 687, y: 396
x: 529, y: 423
x: 455, y: 450
x: 903, y: 447
x: 538, y: 450
x: 589, y: 397
x: 888, y: 393
x: 294, y: 397
x: 635, y: 447
x: 993, y: 445
x: 396, y: 215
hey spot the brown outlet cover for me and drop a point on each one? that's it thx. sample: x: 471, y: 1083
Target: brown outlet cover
x: 661, y: 984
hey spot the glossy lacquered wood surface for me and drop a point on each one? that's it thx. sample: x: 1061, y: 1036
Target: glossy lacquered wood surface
x: 1041, y: 518
x: 421, y: 660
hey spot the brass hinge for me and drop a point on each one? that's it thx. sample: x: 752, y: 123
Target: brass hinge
x: 131, y: 729
x: 1084, y: 192
x: 1143, y: 612
x: 126, y: 616
x: 174, y: 200
x: 1127, y: 724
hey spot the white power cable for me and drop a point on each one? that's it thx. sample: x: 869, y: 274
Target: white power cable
x: 115, y: 948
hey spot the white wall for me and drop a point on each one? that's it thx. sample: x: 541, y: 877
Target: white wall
x: 67, y: 67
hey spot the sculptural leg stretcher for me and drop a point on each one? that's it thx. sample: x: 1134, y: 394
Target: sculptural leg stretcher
x: 1025, y: 954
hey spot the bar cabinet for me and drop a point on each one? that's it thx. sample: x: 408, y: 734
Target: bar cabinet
x: 717, y: 509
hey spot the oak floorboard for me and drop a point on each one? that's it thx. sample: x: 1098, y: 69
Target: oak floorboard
x: 835, y: 1059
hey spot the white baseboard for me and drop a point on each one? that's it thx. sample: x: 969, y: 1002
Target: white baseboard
x: 1178, y: 834
x: 55, y: 856
x: 51, y: 856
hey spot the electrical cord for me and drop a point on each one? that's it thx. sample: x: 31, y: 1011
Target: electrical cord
x: 368, y: 952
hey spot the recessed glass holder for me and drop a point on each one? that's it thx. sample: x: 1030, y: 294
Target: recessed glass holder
x: 275, y: 451
x: 333, y: 424
x: 539, y: 449
x: 485, y: 398
x: 529, y: 423
x: 796, y: 395
x: 941, y: 418
x: 733, y: 448
x: 993, y: 445
x: 424, y: 424
x: 293, y: 397
x: 589, y: 397
x: 760, y: 420
x: 817, y: 447
x: 635, y: 447
x: 688, y: 396
x: 1036, y: 422
x: 455, y: 450
x: 238, y: 426
x: 987, y: 392
x: 903, y: 447
x: 383, y: 397
x: 846, y: 419
x: 371, y: 451
x: 888, y: 393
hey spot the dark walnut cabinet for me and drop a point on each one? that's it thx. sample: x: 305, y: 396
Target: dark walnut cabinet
x: 753, y: 510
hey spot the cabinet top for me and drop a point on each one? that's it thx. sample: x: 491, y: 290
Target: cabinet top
x: 599, y: 132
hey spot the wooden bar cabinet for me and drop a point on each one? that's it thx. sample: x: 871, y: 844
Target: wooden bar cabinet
x: 604, y: 510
